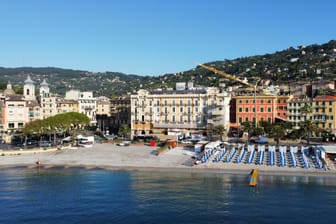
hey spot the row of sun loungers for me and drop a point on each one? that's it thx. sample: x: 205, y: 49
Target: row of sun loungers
x: 252, y: 155
x: 282, y: 157
x: 271, y: 151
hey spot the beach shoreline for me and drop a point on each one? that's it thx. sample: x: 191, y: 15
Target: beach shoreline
x: 141, y: 158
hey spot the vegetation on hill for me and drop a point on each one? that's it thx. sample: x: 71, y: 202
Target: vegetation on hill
x: 295, y: 63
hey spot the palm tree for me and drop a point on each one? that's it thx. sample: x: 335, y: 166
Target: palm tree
x: 307, y: 126
x: 307, y: 110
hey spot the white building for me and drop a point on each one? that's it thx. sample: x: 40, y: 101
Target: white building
x: 180, y: 111
x: 16, y: 113
x: 48, y: 101
x: 87, y: 104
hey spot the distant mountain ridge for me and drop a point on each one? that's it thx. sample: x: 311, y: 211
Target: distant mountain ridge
x: 299, y: 63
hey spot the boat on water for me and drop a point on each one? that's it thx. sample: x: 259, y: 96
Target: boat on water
x: 253, y: 178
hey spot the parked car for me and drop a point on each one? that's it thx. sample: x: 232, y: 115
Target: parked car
x: 124, y: 143
x: 44, y: 144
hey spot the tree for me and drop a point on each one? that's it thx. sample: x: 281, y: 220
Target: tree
x: 58, y: 123
x: 308, y: 127
x: 249, y: 127
x: 267, y: 126
x: 278, y: 131
x: 219, y: 130
x: 124, y: 130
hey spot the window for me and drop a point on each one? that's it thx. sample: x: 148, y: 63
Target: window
x: 246, y: 109
x: 240, y: 120
x: 269, y: 109
x: 261, y: 109
x: 173, y: 109
x: 330, y: 109
x: 10, y: 125
x: 240, y: 109
x: 246, y: 101
x: 20, y: 125
x: 261, y: 101
x: 240, y: 101
x: 269, y: 101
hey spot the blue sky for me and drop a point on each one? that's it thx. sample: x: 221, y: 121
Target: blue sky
x: 154, y: 37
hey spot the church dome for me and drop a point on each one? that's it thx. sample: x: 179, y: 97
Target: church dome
x: 9, y: 91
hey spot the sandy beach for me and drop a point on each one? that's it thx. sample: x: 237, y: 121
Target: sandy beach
x: 140, y: 157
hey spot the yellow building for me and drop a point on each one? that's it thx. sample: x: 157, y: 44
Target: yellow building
x: 324, y: 112
x: 65, y: 106
x: 185, y: 110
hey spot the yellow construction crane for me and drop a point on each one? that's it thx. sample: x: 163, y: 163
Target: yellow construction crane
x: 226, y: 75
x: 234, y: 78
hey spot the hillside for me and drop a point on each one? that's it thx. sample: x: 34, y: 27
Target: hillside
x: 295, y: 63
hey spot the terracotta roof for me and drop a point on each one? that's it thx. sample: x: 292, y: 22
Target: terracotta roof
x: 325, y: 98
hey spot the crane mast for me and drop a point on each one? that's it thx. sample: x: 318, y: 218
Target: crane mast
x: 234, y: 78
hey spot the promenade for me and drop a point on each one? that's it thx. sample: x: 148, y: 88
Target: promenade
x: 140, y: 157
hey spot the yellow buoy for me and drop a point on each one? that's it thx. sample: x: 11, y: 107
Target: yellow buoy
x: 253, y: 178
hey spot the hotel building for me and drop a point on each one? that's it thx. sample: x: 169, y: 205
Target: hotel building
x: 183, y: 110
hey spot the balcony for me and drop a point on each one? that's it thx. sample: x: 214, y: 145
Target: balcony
x: 217, y: 112
x: 179, y: 125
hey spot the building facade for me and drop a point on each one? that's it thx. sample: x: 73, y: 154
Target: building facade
x: 249, y: 110
x: 87, y: 104
x: 178, y: 111
x: 65, y: 106
x: 120, y: 114
x: 295, y: 114
x: 324, y: 112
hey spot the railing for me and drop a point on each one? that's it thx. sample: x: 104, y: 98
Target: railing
x: 179, y: 125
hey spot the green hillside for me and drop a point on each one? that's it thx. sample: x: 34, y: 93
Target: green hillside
x: 295, y: 63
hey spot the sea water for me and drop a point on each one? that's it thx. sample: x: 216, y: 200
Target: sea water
x: 105, y: 196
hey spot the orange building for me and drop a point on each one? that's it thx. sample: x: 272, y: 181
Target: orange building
x: 267, y: 108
